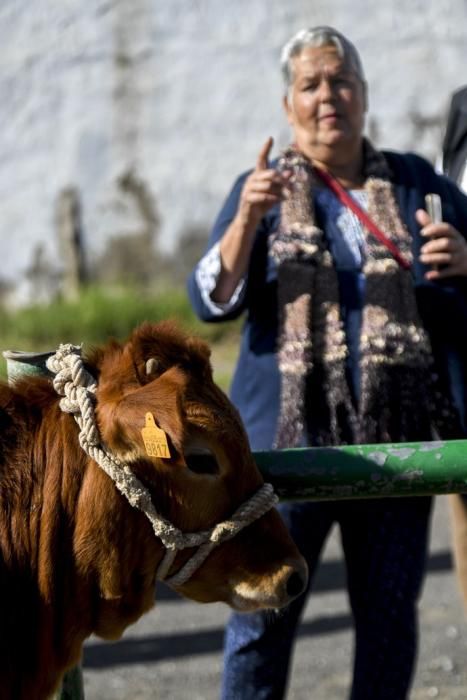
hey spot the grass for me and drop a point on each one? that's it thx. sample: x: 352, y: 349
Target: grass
x: 103, y: 313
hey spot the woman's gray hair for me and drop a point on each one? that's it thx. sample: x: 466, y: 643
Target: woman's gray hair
x: 315, y: 37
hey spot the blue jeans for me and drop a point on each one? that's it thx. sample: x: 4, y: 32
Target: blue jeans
x: 385, y: 546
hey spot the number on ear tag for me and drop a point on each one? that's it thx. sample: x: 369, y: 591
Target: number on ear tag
x: 155, y: 440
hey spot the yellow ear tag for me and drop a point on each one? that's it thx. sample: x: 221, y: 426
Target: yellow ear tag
x: 155, y: 440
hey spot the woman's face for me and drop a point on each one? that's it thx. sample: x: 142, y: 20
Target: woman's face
x: 326, y: 105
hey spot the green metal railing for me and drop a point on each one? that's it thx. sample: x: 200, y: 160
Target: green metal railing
x: 366, y: 471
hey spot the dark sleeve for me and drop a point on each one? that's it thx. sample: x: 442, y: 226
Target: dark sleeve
x: 222, y: 222
x: 227, y: 212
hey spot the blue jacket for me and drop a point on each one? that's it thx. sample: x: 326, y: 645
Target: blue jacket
x: 443, y: 306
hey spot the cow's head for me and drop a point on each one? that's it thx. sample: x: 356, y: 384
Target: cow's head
x: 210, y: 472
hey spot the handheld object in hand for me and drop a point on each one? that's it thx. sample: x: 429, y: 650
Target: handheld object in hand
x: 433, y: 207
x: 434, y: 211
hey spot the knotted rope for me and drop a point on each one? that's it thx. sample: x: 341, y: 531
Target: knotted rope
x: 78, y: 387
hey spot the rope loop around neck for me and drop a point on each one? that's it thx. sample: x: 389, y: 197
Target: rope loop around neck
x: 78, y: 388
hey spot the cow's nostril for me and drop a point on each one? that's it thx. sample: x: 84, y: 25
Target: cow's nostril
x: 295, y: 584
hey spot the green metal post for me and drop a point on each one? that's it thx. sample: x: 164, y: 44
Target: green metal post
x: 72, y: 687
x: 366, y: 471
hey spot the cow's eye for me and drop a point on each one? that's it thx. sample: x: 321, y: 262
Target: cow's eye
x: 202, y: 463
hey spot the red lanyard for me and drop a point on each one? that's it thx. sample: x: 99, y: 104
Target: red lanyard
x: 346, y: 199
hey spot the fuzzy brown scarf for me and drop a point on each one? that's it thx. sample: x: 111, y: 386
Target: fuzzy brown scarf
x: 401, y: 397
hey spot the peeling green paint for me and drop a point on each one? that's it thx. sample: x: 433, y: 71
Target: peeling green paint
x: 366, y: 471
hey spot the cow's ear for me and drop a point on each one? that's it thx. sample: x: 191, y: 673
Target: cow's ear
x: 200, y: 353
x: 121, y: 422
x: 200, y: 347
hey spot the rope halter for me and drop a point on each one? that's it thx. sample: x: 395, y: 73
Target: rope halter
x: 78, y: 387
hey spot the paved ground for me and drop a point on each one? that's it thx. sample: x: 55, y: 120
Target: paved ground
x: 174, y: 653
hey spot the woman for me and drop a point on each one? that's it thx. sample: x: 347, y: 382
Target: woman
x: 345, y: 341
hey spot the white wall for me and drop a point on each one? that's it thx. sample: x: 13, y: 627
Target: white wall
x: 184, y: 92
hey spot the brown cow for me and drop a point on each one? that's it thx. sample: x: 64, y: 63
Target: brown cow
x: 75, y: 557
